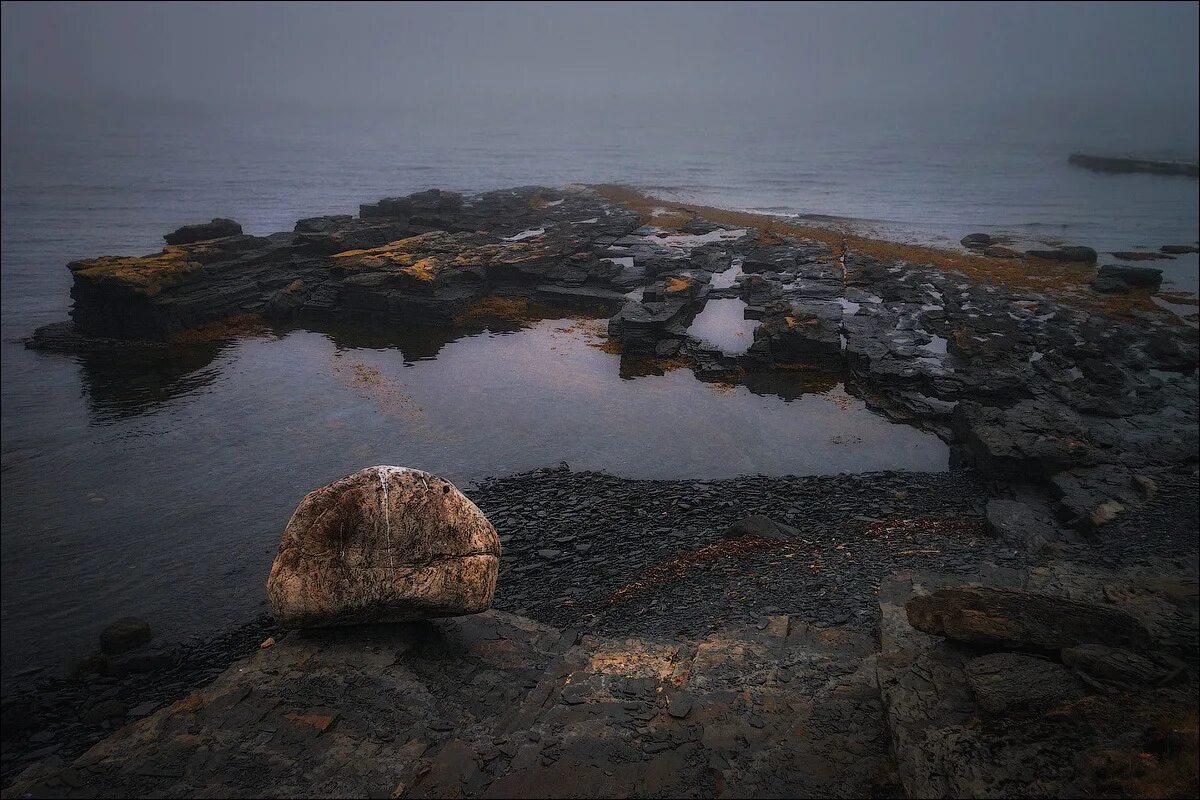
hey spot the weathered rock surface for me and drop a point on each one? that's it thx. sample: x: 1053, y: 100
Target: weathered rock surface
x: 965, y: 724
x: 1008, y: 682
x: 386, y: 544
x: 499, y: 706
x: 1020, y: 620
x: 976, y: 240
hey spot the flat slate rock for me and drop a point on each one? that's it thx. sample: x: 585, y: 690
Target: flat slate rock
x: 495, y: 705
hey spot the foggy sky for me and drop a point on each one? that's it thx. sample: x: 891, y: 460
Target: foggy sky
x: 1142, y: 54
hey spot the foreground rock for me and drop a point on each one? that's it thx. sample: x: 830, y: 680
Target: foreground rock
x: 1093, y: 721
x: 499, y: 706
x: 386, y: 544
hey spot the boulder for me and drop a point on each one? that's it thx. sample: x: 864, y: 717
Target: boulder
x: 386, y: 544
x: 1006, y: 682
x: 219, y: 228
x: 1179, y: 249
x: 1084, y: 254
x: 1021, y: 620
x: 1132, y: 276
x: 127, y: 633
x: 976, y: 240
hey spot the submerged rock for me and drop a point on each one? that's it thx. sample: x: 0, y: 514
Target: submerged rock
x: 386, y: 544
x: 976, y: 240
x: 1179, y: 249
x: 127, y: 633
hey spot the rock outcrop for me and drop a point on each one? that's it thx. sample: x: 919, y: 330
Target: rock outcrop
x: 386, y: 544
x: 217, y: 229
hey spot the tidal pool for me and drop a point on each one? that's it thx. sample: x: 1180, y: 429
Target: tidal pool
x: 158, y: 486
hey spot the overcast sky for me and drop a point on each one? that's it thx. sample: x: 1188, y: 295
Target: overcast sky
x: 1136, y: 53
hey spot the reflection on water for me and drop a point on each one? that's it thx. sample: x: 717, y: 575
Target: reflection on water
x: 164, y: 492
x: 723, y: 325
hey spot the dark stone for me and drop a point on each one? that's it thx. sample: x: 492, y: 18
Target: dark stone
x: 1110, y: 284
x: 1139, y: 255
x: 1179, y: 249
x: 1116, y: 667
x: 127, y: 633
x: 219, y: 228
x: 1007, y: 682
x: 976, y: 240
x: 1083, y: 254
x: 1132, y: 276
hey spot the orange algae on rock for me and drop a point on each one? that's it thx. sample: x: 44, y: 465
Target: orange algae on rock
x: 147, y: 275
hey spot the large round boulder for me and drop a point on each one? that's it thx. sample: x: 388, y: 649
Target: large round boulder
x: 386, y: 544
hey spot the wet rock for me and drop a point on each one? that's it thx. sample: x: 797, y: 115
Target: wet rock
x: 1179, y: 249
x: 217, y: 229
x: 1148, y: 277
x: 385, y: 544
x: 126, y: 633
x: 1110, y: 284
x: 1082, y: 254
x: 1000, y: 251
x: 762, y: 527
x: 1013, y: 682
x: 1139, y: 255
x: 976, y: 240
x: 1014, y: 619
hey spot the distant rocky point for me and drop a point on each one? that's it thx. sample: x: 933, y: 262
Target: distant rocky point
x: 1118, y: 165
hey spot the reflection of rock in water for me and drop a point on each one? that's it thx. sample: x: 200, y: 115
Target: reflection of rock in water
x: 125, y: 383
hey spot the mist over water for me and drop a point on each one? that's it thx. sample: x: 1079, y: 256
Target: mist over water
x: 122, y: 122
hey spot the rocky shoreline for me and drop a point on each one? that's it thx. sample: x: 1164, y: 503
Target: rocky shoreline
x: 1067, y: 395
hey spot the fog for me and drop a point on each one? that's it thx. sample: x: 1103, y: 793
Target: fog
x: 1061, y: 61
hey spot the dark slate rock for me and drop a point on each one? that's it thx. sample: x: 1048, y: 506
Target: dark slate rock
x: 217, y: 229
x: 1007, y: 682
